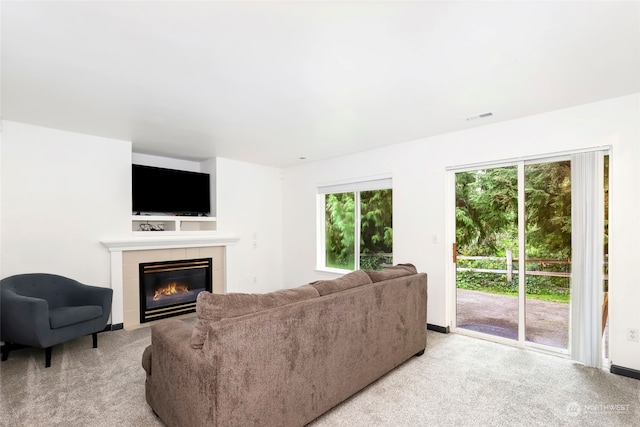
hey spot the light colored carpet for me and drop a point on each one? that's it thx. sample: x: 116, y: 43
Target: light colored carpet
x: 460, y: 381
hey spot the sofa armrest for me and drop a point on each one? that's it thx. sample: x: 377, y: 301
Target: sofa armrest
x: 25, y: 320
x: 181, y: 384
x: 172, y: 336
x: 146, y: 359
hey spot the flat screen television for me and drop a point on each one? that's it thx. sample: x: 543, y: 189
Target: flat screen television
x: 170, y: 191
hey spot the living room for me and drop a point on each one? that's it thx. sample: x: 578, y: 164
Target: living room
x: 66, y: 190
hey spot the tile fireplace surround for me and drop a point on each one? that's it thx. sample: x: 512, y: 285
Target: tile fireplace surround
x: 127, y: 254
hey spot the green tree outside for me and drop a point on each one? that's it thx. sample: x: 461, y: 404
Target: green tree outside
x: 376, y: 230
x: 487, y: 225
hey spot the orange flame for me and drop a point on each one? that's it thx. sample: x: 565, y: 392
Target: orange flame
x: 170, y: 289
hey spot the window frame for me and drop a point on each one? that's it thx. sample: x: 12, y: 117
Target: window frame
x: 383, y: 182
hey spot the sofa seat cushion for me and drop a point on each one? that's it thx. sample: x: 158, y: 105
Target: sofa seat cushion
x: 65, y: 316
x: 348, y: 281
x: 215, y: 307
x: 392, y: 272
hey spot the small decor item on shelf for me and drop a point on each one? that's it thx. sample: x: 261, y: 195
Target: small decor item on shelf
x: 151, y: 227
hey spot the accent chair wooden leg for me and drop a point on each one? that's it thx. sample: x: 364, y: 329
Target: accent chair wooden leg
x: 5, y: 350
x: 47, y: 357
x: 420, y: 353
x: 95, y: 339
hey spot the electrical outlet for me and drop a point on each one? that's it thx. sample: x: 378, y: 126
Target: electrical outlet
x: 632, y: 334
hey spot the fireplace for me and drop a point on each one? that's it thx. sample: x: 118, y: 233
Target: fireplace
x: 170, y: 288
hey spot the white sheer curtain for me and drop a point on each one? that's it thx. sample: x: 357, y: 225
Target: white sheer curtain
x: 587, y: 232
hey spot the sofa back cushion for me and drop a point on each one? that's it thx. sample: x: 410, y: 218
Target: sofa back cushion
x: 348, y: 281
x: 215, y: 307
x: 391, y: 272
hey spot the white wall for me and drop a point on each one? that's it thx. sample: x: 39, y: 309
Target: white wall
x: 419, y: 185
x: 62, y: 193
x: 250, y: 207
x: 165, y: 162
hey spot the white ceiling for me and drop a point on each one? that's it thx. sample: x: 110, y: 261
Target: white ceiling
x: 268, y: 82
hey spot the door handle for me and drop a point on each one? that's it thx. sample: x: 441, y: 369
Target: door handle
x: 455, y: 252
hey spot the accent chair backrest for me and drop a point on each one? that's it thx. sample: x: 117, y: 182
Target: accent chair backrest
x: 53, y: 288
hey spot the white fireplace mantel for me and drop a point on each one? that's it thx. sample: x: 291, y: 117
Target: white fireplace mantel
x: 137, y: 243
x: 152, y: 242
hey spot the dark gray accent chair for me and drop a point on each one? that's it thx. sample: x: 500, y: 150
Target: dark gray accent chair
x: 43, y: 310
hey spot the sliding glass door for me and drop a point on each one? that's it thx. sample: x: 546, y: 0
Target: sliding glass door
x: 487, y: 288
x: 547, y: 235
x: 513, y: 266
x: 520, y: 229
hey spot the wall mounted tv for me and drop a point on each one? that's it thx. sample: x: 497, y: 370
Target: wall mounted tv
x: 176, y: 192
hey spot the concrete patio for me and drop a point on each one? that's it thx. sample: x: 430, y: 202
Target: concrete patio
x: 546, y: 322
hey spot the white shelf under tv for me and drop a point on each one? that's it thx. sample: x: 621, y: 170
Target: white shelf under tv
x: 180, y: 225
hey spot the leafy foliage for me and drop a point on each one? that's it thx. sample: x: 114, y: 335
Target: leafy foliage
x: 340, y: 229
x: 376, y: 231
x: 548, y: 207
x: 487, y: 225
x: 487, y: 210
x: 544, y: 288
x: 375, y: 262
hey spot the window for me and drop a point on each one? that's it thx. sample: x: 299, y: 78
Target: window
x: 355, y: 225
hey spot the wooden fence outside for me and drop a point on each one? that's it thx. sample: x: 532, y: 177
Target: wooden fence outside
x: 509, y: 260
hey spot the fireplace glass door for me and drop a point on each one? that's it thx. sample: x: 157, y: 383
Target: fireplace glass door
x: 170, y: 288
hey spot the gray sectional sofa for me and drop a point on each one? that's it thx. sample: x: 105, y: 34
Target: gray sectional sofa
x: 284, y: 358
